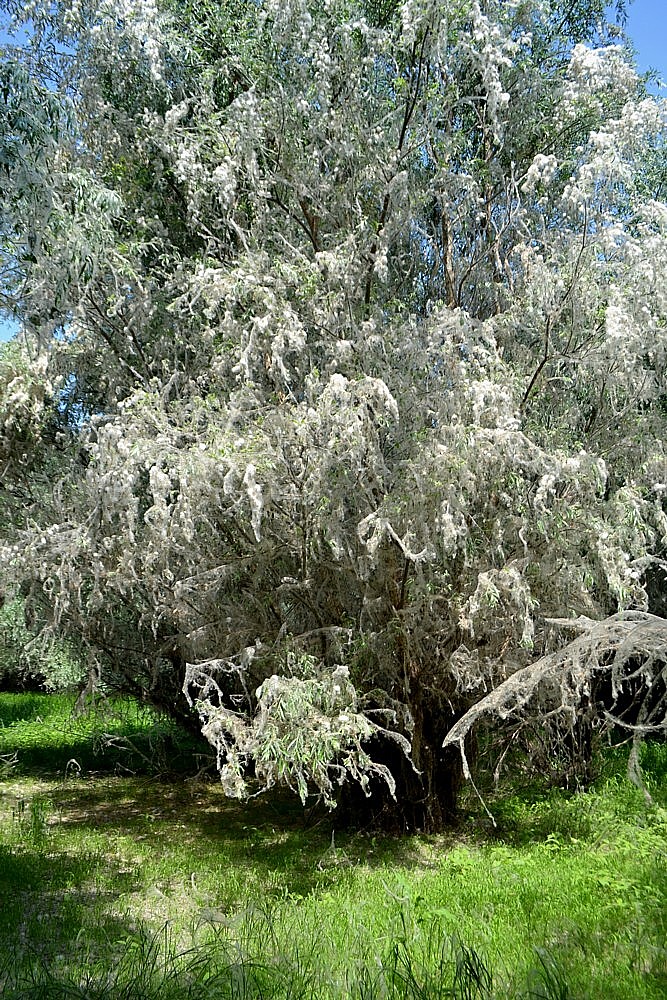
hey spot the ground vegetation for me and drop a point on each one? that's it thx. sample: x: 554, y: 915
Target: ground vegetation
x: 341, y: 387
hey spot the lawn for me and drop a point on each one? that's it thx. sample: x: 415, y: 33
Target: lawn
x: 119, y: 883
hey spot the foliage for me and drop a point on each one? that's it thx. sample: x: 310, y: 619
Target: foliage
x: 303, y: 729
x: 31, y: 117
x: 29, y: 658
x: 355, y: 334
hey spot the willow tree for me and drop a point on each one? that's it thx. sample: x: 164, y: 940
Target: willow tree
x: 353, y: 316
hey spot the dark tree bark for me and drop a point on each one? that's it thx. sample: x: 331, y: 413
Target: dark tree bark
x: 427, y: 794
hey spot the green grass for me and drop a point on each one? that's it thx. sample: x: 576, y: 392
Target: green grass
x: 48, y: 736
x: 128, y: 887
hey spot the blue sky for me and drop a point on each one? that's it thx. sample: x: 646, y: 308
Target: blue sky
x: 647, y: 27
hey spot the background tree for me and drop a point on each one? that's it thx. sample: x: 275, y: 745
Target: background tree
x: 354, y: 316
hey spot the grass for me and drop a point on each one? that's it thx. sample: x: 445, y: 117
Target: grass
x: 123, y: 886
x: 48, y: 736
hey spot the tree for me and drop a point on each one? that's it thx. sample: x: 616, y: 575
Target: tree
x: 355, y: 319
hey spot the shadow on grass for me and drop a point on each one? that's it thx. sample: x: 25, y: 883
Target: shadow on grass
x: 49, y: 898
x: 192, y: 826
x: 30, y: 706
x: 196, y: 822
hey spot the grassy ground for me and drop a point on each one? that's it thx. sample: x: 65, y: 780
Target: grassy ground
x: 50, y: 737
x: 124, y: 886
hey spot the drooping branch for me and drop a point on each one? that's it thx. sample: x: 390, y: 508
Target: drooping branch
x: 627, y: 653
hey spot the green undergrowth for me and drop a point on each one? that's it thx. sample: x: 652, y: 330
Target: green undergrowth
x: 116, y: 886
x: 45, y: 734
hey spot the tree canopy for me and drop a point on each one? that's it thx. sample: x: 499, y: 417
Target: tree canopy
x: 343, y: 365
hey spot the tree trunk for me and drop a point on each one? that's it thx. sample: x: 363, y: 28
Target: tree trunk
x: 426, y: 794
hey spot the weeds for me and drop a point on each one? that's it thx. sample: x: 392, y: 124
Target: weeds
x: 31, y: 819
